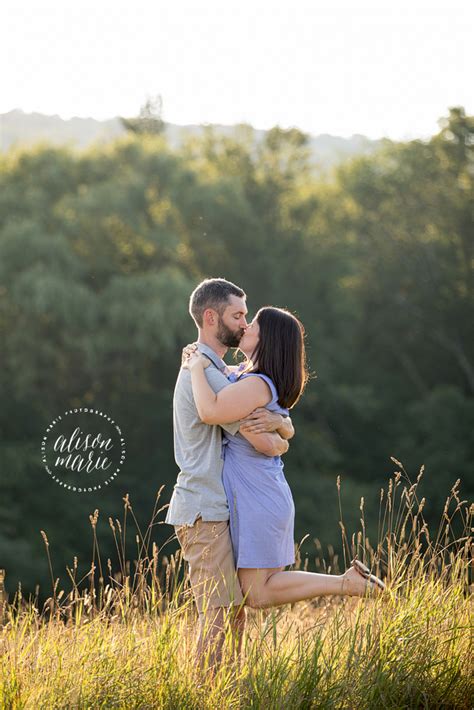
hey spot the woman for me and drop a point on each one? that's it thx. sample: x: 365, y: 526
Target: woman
x: 260, y: 501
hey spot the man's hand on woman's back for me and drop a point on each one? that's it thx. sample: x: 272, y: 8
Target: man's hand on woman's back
x: 261, y: 420
x: 270, y: 443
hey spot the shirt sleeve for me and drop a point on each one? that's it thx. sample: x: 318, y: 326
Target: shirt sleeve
x: 218, y: 381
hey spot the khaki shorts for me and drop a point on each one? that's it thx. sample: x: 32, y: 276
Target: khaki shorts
x: 207, y: 548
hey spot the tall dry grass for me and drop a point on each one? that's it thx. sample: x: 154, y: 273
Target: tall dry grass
x: 127, y: 639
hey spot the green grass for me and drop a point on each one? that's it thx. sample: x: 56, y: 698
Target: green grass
x: 129, y: 642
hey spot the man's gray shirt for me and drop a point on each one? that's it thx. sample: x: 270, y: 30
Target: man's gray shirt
x: 197, y: 449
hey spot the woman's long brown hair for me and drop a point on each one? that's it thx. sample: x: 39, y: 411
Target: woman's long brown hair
x: 280, y: 353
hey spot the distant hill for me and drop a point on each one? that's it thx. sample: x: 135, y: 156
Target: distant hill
x: 20, y: 128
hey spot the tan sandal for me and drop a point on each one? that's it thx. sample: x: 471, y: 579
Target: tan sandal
x: 365, y: 572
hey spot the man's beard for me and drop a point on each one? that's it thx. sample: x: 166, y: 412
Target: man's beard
x: 228, y: 337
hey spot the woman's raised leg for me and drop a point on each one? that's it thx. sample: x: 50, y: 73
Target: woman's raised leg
x: 274, y: 587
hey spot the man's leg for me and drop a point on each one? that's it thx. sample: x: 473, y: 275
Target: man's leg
x: 208, y: 549
x: 211, y: 637
x: 213, y: 626
x: 238, y: 622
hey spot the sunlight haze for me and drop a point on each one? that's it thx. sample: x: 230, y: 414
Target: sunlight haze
x: 382, y: 69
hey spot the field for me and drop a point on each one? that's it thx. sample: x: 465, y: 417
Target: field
x: 127, y: 640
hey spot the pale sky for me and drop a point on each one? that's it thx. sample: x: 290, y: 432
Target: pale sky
x: 379, y: 68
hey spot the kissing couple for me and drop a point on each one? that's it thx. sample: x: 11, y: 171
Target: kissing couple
x: 231, y: 507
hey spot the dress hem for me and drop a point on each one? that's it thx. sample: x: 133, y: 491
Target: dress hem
x: 263, y: 566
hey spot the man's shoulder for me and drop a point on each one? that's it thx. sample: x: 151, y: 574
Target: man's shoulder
x: 183, y: 386
x: 216, y: 378
x: 184, y: 375
x: 184, y: 389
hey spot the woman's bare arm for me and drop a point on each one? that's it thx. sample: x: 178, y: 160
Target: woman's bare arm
x: 270, y: 443
x: 231, y: 403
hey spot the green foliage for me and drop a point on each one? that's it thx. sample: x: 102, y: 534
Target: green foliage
x: 99, y: 251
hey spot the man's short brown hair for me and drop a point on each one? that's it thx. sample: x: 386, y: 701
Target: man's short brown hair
x: 212, y: 293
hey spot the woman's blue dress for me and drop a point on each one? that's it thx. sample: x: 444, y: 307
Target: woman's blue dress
x: 262, y: 511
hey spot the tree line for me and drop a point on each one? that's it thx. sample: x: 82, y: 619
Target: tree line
x: 100, y: 249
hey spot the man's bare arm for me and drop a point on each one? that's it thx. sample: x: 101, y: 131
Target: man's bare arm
x: 262, y: 420
x: 286, y: 430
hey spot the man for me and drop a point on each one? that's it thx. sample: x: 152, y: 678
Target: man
x: 198, y: 508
